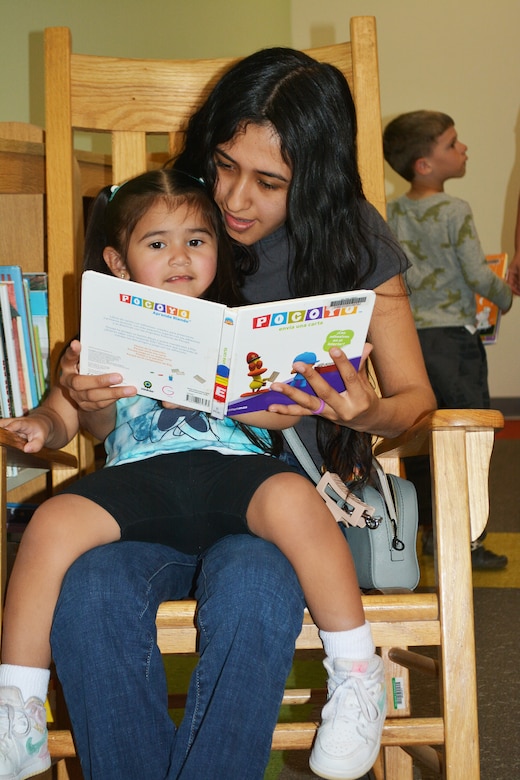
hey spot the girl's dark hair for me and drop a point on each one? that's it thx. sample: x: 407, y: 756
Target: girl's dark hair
x: 310, y: 106
x: 116, y: 211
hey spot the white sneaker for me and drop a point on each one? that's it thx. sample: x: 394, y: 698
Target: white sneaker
x: 348, y: 740
x: 23, y: 736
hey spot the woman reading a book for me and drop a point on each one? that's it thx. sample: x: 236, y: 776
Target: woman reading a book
x: 276, y: 143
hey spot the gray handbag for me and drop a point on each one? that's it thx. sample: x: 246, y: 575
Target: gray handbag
x: 379, y: 521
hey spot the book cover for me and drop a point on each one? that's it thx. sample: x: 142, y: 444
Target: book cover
x: 488, y: 314
x: 205, y: 356
x: 13, y: 273
x: 12, y: 360
x: 270, y: 337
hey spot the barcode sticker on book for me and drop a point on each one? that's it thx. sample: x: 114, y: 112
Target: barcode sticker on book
x: 348, y: 301
x: 398, y: 693
x: 198, y: 400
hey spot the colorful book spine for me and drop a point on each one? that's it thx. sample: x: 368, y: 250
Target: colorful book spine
x: 13, y: 273
x: 6, y: 404
x: 39, y: 306
x: 34, y: 367
x: 12, y: 361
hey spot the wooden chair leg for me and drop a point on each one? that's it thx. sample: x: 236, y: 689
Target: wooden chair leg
x: 458, y: 664
x: 68, y: 769
x: 378, y: 770
x: 395, y: 764
x: 398, y: 764
x: 61, y: 771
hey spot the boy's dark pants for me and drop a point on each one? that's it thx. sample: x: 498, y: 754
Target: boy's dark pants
x: 457, y: 368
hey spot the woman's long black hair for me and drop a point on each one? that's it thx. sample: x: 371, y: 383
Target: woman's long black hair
x: 311, y: 108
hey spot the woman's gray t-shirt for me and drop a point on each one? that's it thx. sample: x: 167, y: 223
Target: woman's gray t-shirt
x: 271, y: 282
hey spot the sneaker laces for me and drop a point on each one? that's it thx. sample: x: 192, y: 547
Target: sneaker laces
x: 14, y: 722
x: 353, y: 700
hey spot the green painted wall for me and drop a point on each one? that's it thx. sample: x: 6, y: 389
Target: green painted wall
x: 127, y: 28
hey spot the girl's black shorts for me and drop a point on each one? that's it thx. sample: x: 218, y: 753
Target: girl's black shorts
x: 187, y: 500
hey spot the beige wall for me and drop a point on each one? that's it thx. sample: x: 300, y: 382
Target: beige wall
x: 127, y: 28
x: 462, y: 58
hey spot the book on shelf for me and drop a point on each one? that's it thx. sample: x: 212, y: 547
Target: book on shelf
x: 36, y: 284
x: 24, y: 340
x: 11, y: 345
x: 13, y: 274
x: 17, y: 518
x: 6, y: 403
x: 206, y: 356
x: 38, y: 388
x: 488, y: 314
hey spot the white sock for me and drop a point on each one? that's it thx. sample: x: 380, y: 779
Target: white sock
x: 30, y: 680
x: 354, y: 645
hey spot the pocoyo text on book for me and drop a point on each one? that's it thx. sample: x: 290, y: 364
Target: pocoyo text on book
x: 277, y: 319
x: 154, y: 306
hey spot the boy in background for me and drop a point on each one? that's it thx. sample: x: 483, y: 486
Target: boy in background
x: 449, y: 268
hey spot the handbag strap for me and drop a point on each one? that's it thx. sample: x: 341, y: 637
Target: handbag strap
x: 301, y: 453
x: 385, y: 489
x: 386, y: 492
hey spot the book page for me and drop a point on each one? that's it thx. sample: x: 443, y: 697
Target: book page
x: 163, y: 343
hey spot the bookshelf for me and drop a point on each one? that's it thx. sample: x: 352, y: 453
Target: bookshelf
x: 22, y: 242
x: 22, y: 238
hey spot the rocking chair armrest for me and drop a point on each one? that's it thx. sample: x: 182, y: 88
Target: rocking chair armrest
x: 44, y: 459
x: 415, y: 441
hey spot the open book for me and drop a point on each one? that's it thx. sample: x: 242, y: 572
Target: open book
x: 206, y: 356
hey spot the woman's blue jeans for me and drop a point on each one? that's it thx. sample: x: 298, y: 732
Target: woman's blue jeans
x: 250, y: 609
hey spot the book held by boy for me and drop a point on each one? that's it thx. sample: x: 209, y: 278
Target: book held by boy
x: 203, y: 355
x: 488, y: 314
